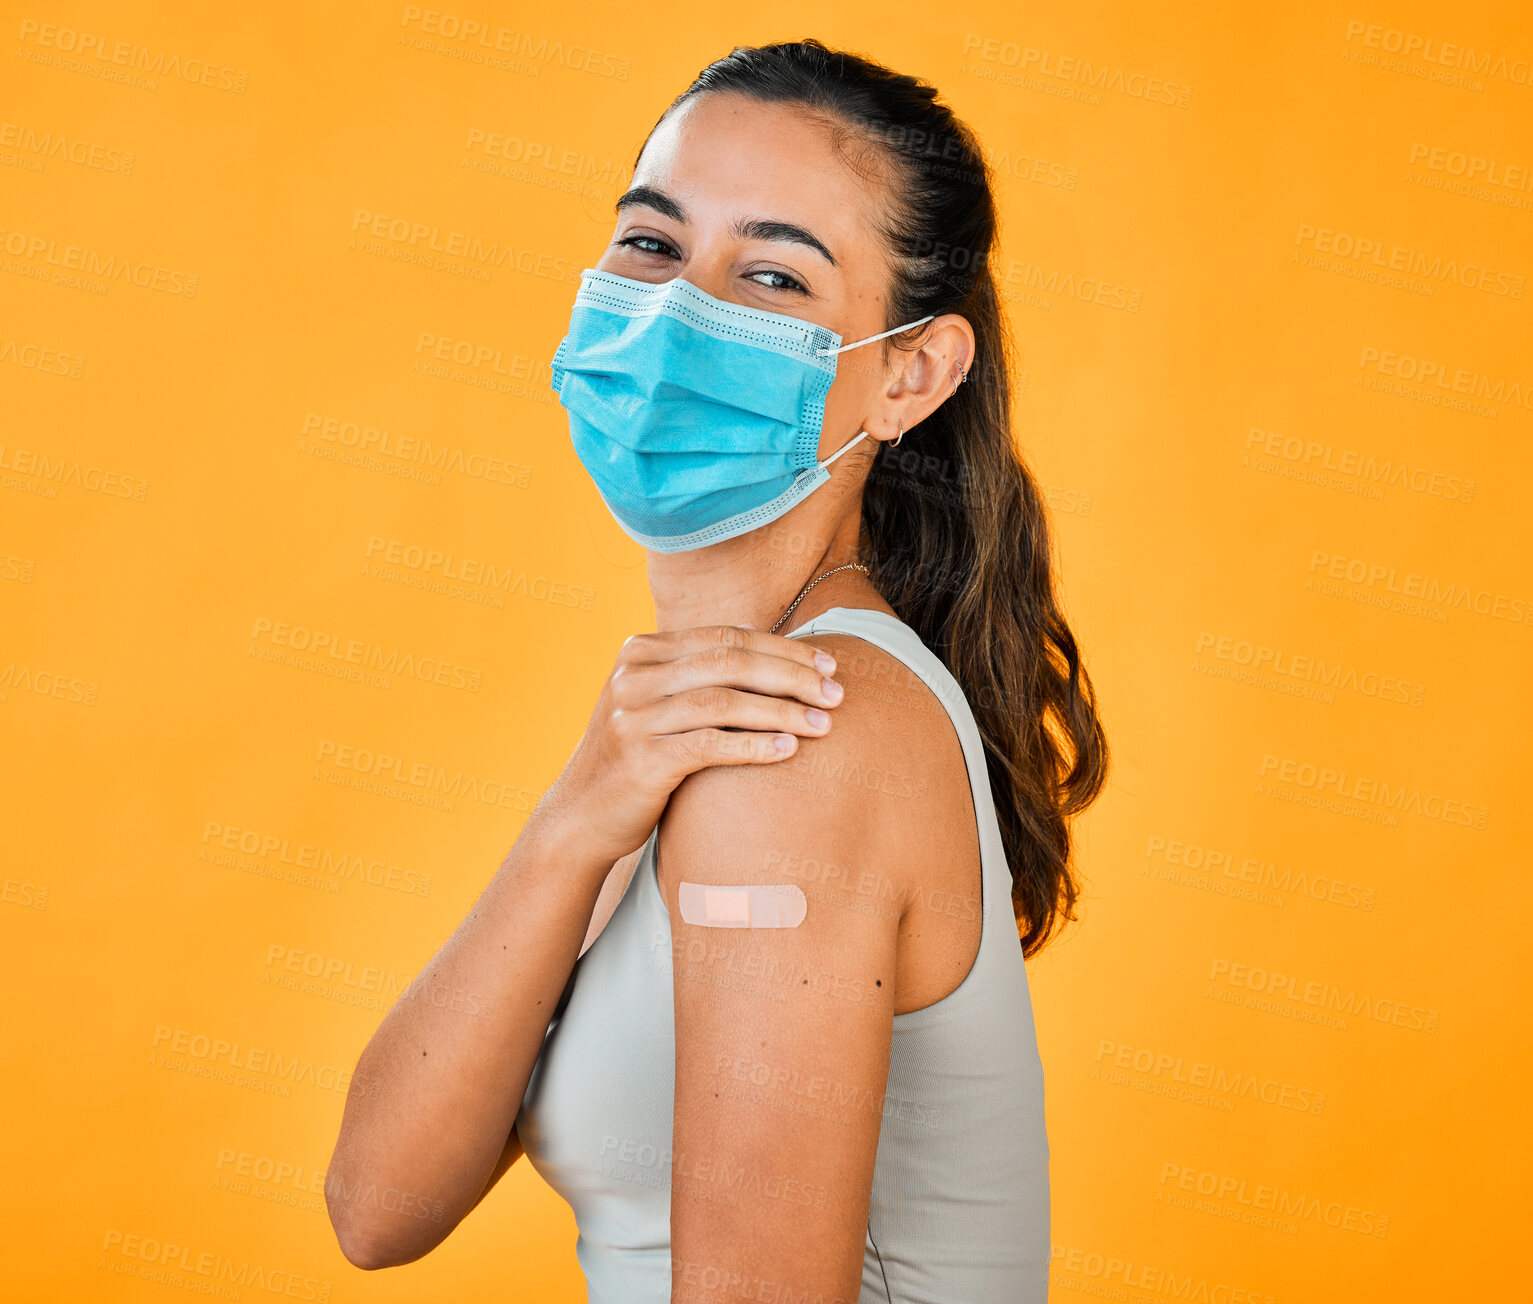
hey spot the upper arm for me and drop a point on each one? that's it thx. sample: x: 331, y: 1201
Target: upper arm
x: 782, y: 1034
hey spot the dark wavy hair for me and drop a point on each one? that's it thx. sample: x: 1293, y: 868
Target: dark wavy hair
x: 953, y: 524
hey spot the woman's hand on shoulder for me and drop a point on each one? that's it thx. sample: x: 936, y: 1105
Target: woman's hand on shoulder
x: 677, y: 702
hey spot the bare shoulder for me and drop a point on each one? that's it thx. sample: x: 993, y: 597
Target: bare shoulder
x: 893, y: 722
x: 864, y: 817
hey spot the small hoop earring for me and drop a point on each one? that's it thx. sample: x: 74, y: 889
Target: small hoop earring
x: 895, y: 442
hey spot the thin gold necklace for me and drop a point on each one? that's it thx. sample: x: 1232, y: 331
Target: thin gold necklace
x: 851, y: 565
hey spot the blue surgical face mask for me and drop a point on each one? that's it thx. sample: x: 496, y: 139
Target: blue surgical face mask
x: 698, y: 419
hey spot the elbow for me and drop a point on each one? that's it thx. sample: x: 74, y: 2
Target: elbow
x: 361, y: 1248
x: 363, y: 1242
x: 374, y: 1231
x: 370, y: 1243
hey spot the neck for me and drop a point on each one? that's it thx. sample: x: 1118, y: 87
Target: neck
x: 753, y: 579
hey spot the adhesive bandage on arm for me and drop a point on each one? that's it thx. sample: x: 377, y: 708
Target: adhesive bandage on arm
x: 777, y: 905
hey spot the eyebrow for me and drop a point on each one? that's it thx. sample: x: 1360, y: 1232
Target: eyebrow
x: 755, y: 228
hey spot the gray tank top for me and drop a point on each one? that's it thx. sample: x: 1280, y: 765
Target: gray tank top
x: 960, y: 1200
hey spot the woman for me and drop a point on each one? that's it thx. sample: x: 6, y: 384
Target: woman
x: 747, y: 989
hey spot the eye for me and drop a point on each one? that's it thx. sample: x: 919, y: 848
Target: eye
x: 783, y: 282
x: 649, y: 244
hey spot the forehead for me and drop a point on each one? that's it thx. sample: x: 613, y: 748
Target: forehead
x: 724, y: 156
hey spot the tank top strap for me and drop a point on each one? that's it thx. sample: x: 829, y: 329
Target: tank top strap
x: 900, y: 641
x: 896, y: 638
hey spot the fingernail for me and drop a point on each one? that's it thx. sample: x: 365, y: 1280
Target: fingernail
x: 783, y: 743
x: 832, y: 689
x: 825, y: 663
x: 817, y: 717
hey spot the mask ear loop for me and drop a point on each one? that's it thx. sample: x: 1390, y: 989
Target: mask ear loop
x: 842, y: 449
x: 857, y: 344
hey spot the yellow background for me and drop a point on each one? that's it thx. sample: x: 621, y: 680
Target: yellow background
x: 1214, y: 381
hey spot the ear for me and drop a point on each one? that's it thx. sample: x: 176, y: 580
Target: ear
x: 929, y: 376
